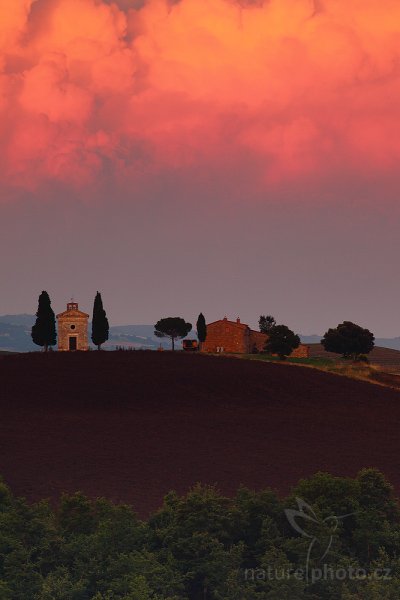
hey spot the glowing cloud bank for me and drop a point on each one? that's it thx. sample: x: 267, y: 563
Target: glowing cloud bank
x: 297, y: 88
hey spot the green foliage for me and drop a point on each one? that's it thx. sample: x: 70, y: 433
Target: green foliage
x: 363, y: 358
x: 201, y: 328
x: 204, y: 546
x: 349, y: 340
x: 100, y: 326
x: 76, y: 514
x: 44, y: 330
x: 59, y: 585
x: 281, y: 341
x: 266, y: 323
x: 173, y: 328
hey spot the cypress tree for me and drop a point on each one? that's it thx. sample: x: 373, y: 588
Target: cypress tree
x: 44, y: 330
x: 100, y: 326
x: 201, y: 329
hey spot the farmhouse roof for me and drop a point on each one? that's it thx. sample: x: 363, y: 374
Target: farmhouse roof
x: 236, y: 323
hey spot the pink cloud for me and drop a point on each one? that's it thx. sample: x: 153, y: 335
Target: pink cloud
x: 306, y: 89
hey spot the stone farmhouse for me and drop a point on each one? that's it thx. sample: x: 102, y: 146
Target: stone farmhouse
x: 236, y: 337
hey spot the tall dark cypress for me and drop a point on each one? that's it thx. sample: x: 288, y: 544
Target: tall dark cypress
x: 201, y: 329
x: 100, y: 326
x: 44, y: 330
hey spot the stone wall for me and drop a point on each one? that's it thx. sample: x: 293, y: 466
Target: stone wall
x: 257, y: 340
x: 232, y: 336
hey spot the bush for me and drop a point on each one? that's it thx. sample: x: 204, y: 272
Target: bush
x: 349, y: 340
x: 363, y: 358
x: 199, y: 546
x: 281, y: 341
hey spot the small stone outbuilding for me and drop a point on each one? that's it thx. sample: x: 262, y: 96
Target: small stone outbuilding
x: 73, y: 329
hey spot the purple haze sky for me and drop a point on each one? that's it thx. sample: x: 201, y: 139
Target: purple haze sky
x: 172, y: 251
x: 234, y: 157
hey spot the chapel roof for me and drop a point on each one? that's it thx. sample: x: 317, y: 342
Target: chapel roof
x: 72, y: 311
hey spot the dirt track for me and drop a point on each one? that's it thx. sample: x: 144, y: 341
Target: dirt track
x: 133, y: 425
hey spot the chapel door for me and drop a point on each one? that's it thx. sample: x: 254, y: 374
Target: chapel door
x: 72, y: 343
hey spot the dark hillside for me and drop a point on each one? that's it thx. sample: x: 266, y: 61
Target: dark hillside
x: 386, y: 358
x: 133, y: 425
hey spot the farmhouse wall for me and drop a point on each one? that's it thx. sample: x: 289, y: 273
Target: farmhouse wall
x: 230, y: 335
x: 236, y: 337
x: 257, y: 340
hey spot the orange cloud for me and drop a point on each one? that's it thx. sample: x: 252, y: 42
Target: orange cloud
x: 304, y: 88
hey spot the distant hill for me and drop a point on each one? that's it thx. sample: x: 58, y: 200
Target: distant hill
x: 146, y: 331
x: 380, y: 356
x: 310, y: 339
x: 15, y: 335
x: 393, y: 343
x: 23, y: 320
x: 134, y: 336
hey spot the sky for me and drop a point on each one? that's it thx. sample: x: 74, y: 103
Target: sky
x: 235, y: 157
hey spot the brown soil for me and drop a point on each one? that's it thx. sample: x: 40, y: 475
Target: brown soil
x: 133, y: 425
x: 385, y: 358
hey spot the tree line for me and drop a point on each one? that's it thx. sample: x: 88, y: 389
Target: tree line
x: 205, y: 546
x: 347, y: 339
